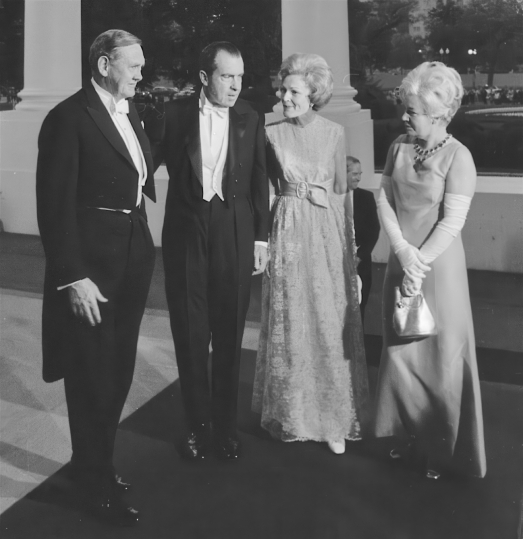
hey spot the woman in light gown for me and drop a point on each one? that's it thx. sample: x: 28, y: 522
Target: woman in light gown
x: 428, y: 392
x: 311, y: 378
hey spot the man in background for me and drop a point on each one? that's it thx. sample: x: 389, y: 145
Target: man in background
x: 366, y: 227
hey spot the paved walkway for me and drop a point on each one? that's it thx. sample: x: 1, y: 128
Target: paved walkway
x: 278, y: 490
x: 33, y: 415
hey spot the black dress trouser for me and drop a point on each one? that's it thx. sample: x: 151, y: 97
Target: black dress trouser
x: 365, y: 273
x: 119, y: 253
x: 208, y: 296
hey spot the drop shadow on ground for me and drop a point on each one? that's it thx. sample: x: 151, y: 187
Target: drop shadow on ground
x: 284, y: 490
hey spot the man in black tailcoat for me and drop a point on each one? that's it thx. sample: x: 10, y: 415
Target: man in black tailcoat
x: 214, y: 238
x: 366, y: 227
x: 94, y: 166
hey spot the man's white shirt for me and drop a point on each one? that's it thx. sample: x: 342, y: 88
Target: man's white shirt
x: 118, y: 112
x: 214, y: 138
x: 214, y: 131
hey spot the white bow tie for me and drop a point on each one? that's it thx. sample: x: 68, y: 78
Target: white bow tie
x: 220, y: 111
x: 122, y: 107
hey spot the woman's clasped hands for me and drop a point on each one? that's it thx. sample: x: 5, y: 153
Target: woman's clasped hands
x: 415, y: 270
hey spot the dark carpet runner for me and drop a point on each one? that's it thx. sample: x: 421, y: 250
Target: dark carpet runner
x: 287, y: 490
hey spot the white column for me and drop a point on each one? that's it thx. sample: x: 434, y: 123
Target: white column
x: 52, y: 72
x: 52, y: 53
x: 322, y: 27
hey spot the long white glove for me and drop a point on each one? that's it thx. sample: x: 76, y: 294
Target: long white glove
x: 455, y: 212
x: 408, y: 255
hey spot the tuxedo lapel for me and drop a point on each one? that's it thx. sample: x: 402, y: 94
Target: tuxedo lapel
x: 192, y: 139
x: 148, y: 188
x: 103, y: 120
x: 237, y: 126
x: 142, y: 138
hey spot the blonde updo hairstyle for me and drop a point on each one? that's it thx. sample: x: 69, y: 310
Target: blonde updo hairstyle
x: 438, y: 87
x: 315, y: 72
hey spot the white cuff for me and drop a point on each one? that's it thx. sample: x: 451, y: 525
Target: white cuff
x: 68, y: 285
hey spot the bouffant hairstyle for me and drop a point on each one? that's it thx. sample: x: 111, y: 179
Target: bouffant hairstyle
x: 438, y: 87
x: 107, y: 44
x: 315, y: 72
x: 207, y: 60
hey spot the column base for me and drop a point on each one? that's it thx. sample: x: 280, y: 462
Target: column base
x: 18, y: 156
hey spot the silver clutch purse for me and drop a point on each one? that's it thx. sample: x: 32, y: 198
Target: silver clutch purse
x: 412, y: 318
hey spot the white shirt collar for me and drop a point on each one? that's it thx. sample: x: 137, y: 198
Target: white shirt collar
x: 204, y: 102
x: 107, y: 98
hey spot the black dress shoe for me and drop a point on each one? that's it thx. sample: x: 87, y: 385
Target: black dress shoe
x: 83, y: 479
x: 113, y: 510
x: 226, y: 447
x: 195, y: 446
x: 121, y: 485
x: 432, y: 474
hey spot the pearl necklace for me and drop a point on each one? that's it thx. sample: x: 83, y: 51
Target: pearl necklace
x: 425, y: 154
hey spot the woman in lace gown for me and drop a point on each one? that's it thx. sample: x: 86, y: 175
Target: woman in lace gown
x: 311, y: 378
x: 428, y: 390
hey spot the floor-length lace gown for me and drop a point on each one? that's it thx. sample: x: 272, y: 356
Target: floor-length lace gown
x: 311, y: 378
x: 429, y: 388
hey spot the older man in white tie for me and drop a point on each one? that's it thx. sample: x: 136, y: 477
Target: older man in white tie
x: 214, y: 237
x: 94, y: 166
